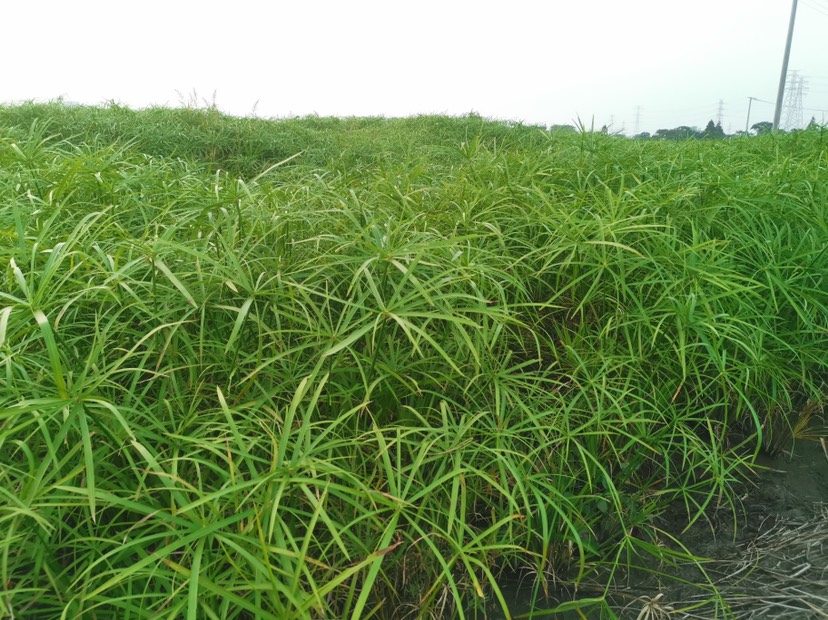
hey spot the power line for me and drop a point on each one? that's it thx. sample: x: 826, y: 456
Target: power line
x: 815, y: 7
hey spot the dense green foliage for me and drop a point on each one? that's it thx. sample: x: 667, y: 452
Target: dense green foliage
x: 373, y: 380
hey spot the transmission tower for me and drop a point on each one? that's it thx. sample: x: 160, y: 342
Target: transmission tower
x: 637, y: 119
x: 720, y: 112
x: 796, y: 90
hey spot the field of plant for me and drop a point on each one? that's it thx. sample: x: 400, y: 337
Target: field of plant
x: 353, y: 368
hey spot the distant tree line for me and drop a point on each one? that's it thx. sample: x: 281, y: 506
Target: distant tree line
x: 714, y: 131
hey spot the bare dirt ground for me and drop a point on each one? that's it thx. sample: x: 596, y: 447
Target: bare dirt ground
x: 774, y: 567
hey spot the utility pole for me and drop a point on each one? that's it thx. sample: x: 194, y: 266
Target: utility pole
x: 781, y: 94
x: 747, y: 121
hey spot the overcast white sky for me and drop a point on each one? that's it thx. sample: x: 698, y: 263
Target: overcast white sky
x: 634, y: 64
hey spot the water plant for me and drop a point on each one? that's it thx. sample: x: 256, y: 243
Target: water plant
x: 380, y: 377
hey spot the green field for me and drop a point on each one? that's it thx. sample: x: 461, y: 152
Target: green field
x: 353, y: 368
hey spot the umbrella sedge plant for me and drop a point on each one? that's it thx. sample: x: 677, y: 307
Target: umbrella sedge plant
x: 387, y: 375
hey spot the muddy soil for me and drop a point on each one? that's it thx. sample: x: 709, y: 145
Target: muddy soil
x: 772, y: 563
